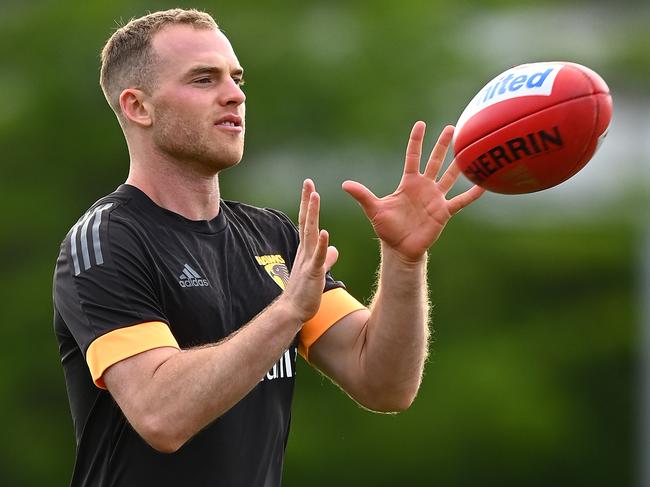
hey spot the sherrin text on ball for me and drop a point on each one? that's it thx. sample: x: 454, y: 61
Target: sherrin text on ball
x: 532, y: 127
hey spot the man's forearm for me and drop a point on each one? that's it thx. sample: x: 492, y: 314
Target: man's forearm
x: 191, y: 388
x: 396, y: 341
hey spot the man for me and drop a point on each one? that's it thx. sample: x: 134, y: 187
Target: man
x: 179, y: 314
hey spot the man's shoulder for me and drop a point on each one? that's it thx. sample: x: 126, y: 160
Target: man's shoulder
x: 91, y: 228
x: 116, y: 205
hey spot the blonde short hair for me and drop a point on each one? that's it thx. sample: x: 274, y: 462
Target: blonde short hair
x: 128, y: 59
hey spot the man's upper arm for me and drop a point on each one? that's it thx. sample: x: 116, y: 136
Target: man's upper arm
x: 336, y: 353
x: 123, y: 343
x: 335, y: 304
x: 331, y: 340
x: 105, y: 294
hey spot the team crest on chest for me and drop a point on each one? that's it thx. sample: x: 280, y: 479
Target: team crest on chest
x: 275, y: 267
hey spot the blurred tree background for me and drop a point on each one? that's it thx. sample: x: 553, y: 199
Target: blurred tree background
x: 536, y: 360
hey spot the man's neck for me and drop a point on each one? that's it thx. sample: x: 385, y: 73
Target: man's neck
x: 177, y: 188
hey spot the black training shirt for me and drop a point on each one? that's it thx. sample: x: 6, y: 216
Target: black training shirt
x: 132, y: 276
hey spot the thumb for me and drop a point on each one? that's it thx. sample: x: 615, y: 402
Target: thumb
x: 331, y: 257
x: 363, y: 195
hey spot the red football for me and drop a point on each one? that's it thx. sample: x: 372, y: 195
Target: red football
x: 532, y: 127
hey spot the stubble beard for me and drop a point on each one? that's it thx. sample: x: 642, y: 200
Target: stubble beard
x: 189, y: 142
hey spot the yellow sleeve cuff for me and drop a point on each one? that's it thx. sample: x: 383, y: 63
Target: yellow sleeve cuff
x: 334, y: 305
x: 122, y: 343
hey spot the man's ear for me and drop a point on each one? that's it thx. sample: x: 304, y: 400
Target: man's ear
x: 135, y: 107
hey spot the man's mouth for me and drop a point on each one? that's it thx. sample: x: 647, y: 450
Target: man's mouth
x: 230, y: 121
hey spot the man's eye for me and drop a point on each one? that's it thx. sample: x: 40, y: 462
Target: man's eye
x: 203, y: 80
x: 239, y: 81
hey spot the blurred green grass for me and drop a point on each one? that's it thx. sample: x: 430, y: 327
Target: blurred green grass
x: 533, y: 374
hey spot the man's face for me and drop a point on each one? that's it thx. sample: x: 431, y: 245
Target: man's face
x: 197, y: 104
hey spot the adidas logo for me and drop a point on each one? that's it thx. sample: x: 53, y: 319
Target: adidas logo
x: 191, y: 278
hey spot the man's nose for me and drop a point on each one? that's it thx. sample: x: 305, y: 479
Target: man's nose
x: 232, y: 94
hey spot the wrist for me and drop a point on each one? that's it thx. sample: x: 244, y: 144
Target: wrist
x: 406, y: 262
x: 288, y: 311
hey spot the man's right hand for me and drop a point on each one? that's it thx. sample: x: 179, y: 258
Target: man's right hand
x: 314, y: 259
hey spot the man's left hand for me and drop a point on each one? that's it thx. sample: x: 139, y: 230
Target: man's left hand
x: 412, y: 218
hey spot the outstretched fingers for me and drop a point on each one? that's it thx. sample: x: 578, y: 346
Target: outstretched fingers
x: 324, y: 254
x: 449, y: 178
x: 462, y: 200
x: 439, y: 153
x: 310, y: 233
x: 364, y: 197
x: 315, y: 242
x: 307, y: 189
x: 414, y: 148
